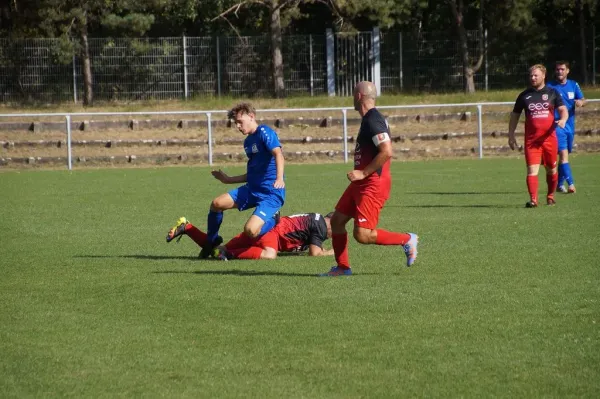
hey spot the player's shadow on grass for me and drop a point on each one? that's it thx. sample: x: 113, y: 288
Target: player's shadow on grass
x: 505, y: 206
x: 465, y: 192
x: 142, y: 257
x: 245, y: 273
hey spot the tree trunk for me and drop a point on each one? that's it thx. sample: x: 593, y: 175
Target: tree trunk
x: 457, y: 8
x: 582, y: 41
x: 276, y: 44
x: 88, y: 95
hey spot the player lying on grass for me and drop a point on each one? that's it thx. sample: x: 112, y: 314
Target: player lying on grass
x: 295, y: 233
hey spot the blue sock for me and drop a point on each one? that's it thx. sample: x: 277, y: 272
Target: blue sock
x: 269, y: 224
x: 561, y: 174
x: 567, y: 172
x: 213, y: 224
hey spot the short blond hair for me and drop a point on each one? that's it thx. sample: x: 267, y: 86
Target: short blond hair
x: 538, y: 66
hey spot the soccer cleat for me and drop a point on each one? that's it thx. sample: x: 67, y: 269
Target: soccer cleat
x: 571, y: 189
x: 561, y: 188
x: 410, y: 249
x: 531, y: 204
x: 211, y: 249
x: 277, y: 217
x: 178, y: 230
x: 550, y: 201
x: 221, y: 254
x: 337, y: 271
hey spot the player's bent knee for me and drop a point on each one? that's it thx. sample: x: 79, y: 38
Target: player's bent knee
x: 222, y: 203
x: 251, y: 231
x: 363, y: 236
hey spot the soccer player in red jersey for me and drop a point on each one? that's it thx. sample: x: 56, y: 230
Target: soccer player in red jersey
x: 369, y: 188
x: 295, y: 233
x: 541, y: 146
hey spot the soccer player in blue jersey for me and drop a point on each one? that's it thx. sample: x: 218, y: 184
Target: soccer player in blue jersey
x: 264, y: 187
x: 572, y: 97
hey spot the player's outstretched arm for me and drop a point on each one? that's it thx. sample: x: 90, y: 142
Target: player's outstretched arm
x: 226, y: 179
x: 279, y: 163
x: 314, y: 250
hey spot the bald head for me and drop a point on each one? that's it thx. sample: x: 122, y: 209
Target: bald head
x: 366, y: 89
x: 365, y: 93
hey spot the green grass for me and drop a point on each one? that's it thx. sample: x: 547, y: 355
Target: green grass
x: 503, y: 301
x: 225, y: 102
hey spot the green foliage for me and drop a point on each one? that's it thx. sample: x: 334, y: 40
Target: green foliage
x: 502, y: 301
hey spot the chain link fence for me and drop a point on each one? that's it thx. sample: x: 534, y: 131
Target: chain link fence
x: 172, y: 68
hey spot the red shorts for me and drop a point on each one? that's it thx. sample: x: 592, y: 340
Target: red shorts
x: 269, y: 239
x: 542, y: 150
x: 364, y: 204
x: 242, y: 241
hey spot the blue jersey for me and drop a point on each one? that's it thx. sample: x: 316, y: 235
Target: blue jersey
x: 261, y: 168
x: 570, y: 91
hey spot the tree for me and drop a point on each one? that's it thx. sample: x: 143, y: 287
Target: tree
x: 275, y: 8
x: 457, y: 7
x: 71, y: 20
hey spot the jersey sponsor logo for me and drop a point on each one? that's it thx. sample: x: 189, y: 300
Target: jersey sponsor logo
x: 380, y: 138
x: 544, y: 97
x: 539, y: 110
x: 571, y: 95
x: 254, y: 149
x: 538, y: 106
x: 527, y: 98
x: 361, y: 220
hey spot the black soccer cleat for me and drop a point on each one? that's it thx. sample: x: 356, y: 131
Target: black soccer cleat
x: 209, y: 250
x: 531, y: 204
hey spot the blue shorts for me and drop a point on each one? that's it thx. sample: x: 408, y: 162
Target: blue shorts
x: 266, y: 204
x: 565, y: 139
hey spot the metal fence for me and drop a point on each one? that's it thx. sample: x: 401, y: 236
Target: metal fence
x: 209, y: 114
x: 174, y: 68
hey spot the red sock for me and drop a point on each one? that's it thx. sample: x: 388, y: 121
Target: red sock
x: 532, y: 187
x: 552, y: 181
x: 340, y: 248
x: 195, y: 234
x: 385, y: 237
x: 240, y: 241
x: 247, y: 253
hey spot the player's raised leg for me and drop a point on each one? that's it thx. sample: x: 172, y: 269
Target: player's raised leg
x: 264, y: 217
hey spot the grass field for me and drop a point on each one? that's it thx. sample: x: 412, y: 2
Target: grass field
x: 503, y: 301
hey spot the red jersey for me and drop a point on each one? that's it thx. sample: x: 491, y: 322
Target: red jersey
x: 539, y: 106
x: 373, y: 131
x: 298, y: 232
